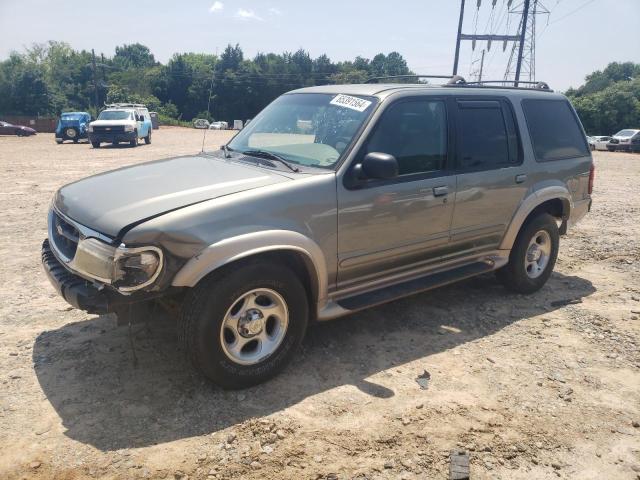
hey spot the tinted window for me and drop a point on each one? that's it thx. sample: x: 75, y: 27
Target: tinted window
x: 554, y: 130
x: 483, y: 138
x: 415, y: 132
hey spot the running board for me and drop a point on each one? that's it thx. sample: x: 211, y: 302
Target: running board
x: 416, y: 285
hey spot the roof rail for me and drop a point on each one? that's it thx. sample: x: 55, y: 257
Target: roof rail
x: 512, y: 84
x: 457, y: 80
x: 397, y: 77
x: 125, y: 105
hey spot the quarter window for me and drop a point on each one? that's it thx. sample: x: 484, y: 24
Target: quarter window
x: 415, y: 132
x: 486, y: 140
x: 554, y: 130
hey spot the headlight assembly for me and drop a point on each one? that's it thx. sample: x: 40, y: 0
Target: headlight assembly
x: 128, y: 128
x: 127, y: 269
x: 90, y: 128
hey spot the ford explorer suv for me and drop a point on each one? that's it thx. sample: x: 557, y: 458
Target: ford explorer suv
x: 332, y: 200
x: 121, y: 122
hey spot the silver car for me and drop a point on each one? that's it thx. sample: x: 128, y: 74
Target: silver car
x: 333, y: 199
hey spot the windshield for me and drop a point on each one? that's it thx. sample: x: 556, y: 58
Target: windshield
x: 310, y: 129
x: 626, y: 133
x: 115, y: 115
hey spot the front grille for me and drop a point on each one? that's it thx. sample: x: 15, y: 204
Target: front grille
x: 114, y: 129
x: 65, y: 236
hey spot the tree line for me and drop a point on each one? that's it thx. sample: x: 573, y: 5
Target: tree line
x: 609, y: 100
x: 47, y: 79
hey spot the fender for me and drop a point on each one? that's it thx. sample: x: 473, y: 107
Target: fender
x: 535, y: 198
x: 235, y: 248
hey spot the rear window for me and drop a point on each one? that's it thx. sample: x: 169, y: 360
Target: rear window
x: 554, y: 129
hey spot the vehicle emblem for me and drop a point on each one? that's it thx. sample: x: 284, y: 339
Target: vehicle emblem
x: 108, y: 128
x: 60, y: 231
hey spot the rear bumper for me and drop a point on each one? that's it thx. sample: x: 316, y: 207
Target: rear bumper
x: 579, y: 210
x: 112, y: 137
x: 83, y: 294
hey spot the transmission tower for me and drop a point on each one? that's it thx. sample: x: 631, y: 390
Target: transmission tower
x: 522, y: 61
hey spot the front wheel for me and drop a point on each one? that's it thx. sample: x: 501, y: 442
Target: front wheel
x: 95, y: 144
x: 134, y: 142
x: 147, y: 139
x: 533, y: 256
x: 242, y: 326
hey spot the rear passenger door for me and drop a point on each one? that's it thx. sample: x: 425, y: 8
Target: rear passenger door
x: 491, y: 181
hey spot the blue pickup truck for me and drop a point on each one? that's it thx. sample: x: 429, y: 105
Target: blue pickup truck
x: 72, y: 126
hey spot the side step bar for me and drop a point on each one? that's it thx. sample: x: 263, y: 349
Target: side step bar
x: 416, y: 285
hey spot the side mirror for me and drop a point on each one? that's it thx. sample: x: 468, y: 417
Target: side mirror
x: 378, y: 165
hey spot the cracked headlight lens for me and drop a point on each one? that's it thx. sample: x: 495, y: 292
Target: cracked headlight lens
x: 136, y: 268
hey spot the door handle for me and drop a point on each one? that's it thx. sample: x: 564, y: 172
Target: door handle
x: 521, y: 178
x: 440, y: 191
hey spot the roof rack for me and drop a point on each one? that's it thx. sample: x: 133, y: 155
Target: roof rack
x: 457, y: 80
x: 125, y: 105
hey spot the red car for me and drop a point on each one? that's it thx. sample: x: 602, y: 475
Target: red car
x: 7, y: 128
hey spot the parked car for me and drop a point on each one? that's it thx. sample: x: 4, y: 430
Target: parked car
x: 121, y: 122
x: 627, y: 140
x: 72, y: 126
x: 7, y: 128
x: 219, y: 126
x: 201, y: 123
x: 598, y: 142
x: 393, y: 190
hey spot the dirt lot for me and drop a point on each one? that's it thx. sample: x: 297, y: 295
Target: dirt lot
x: 543, y: 386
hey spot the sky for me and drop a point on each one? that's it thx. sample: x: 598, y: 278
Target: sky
x: 578, y: 37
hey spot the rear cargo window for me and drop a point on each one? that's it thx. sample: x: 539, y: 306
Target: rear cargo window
x: 554, y: 129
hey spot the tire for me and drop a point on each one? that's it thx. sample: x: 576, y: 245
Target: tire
x: 19, y: 133
x: 147, y: 139
x: 95, y: 144
x: 59, y: 141
x: 522, y: 276
x: 134, y: 142
x: 209, y: 343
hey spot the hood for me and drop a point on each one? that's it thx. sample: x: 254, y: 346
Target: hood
x: 111, y: 201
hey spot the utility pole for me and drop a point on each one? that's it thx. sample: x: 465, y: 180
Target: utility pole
x: 489, y: 38
x: 95, y: 83
x: 457, y: 55
x: 523, y: 31
x: 481, y: 66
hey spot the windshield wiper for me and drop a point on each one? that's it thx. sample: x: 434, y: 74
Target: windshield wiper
x: 270, y: 156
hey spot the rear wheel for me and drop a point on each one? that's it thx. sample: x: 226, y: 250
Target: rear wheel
x: 95, y: 144
x: 533, y: 256
x: 71, y: 134
x: 241, y: 326
x: 59, y: 141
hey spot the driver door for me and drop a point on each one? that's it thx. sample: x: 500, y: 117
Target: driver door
x: 387, y: 226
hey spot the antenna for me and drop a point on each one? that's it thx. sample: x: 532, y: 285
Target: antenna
x: 213, y: 74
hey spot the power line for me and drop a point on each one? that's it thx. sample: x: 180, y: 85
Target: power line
x: 589, y: 2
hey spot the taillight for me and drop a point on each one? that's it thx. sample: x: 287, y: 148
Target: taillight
x: 592, y: 176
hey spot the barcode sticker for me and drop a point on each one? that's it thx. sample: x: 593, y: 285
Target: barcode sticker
x: 354, y: 103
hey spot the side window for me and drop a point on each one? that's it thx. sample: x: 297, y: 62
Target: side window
x: 554, y: 129
x: 486, y: 139
x: 415, y: 132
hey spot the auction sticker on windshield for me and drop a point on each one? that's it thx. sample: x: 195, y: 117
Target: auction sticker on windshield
x: 354, y: 103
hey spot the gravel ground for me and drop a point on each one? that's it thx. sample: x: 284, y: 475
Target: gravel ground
x: 540, y: 386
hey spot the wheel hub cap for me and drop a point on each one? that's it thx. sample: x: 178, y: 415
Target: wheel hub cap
x: 251, y: 323
x: 538, y: 254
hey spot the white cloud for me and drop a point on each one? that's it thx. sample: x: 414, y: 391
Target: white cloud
x: 275, y: 12
x: 216, y: 7
x: 244, y: 14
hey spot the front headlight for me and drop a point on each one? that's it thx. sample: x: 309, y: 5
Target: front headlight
x: 127, y: 269
x: 128, y: 128
x: 136, y: 268
x: 90, y: 128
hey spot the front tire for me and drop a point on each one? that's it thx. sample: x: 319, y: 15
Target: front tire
x: 134, y: 142
x: 532, y: 257
x: 147, y: 139
x: 241, y: 326
x: 95, y: 144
